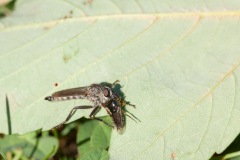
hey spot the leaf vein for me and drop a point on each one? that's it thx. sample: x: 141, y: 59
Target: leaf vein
x: 45, y: 55
x: 94, y: 62
x: 191, y: 108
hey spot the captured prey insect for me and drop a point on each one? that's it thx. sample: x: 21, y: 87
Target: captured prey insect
x: 101, y: 96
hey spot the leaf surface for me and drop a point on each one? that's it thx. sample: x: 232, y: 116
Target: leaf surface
x: 178, y: 62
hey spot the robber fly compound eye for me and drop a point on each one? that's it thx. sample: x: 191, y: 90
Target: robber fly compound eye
x: 106, y: 92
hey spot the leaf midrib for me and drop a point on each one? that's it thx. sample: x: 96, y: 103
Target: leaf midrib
x: 217, y: 14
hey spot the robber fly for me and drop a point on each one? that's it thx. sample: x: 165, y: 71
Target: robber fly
x: 101, y: 96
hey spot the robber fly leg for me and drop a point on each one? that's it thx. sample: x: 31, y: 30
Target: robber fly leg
x: 94, y: 112
x: 130, y: 115
x: 72, y: 113
x: 109, y: 125
x: 128, y: 103
x: 124, y: 103
x: 113, y: 84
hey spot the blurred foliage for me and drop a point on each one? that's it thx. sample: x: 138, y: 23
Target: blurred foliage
x: 82, y: 139
x: 34, y: 145
x: 6, y: 7
x: 231, y: 153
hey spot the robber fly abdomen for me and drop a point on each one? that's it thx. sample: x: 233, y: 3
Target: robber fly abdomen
x: 116, y: 113
x: 68, y: 94
x: 54, y: 98
x: 100, y: 96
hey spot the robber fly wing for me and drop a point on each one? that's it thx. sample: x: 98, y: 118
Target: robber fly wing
x: 118, y: 120
x: 71, y: 92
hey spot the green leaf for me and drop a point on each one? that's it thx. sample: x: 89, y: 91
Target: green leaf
x: 92, y: 133
x: 2, y: 155
x: 95, y: 154
x: 178, y: 62
x: 232, y: 156
x: 101, y: 135
x: 83, y: 135
x: 11, y: 142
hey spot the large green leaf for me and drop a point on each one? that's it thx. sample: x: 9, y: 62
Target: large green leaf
x: 178, y: 62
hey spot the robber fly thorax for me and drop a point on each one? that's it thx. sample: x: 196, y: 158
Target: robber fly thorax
x: 101, y: 96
